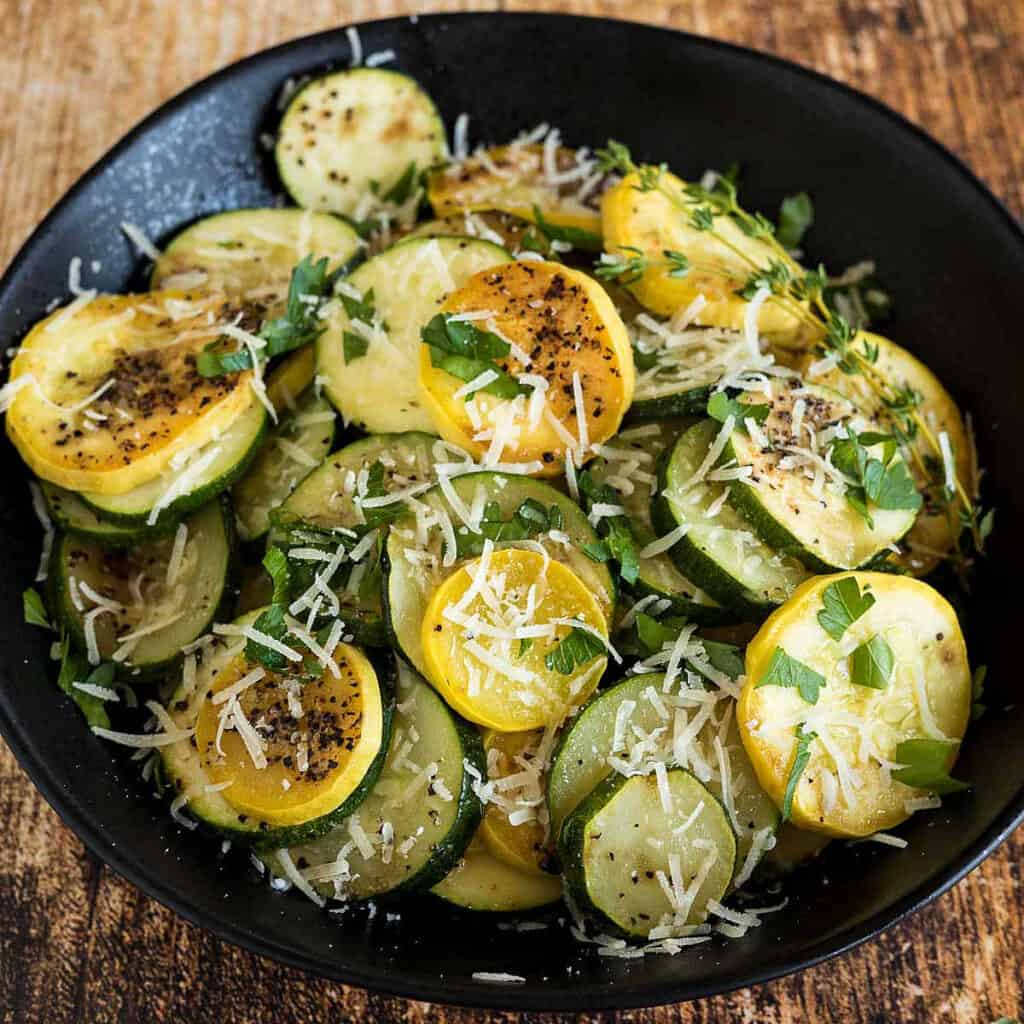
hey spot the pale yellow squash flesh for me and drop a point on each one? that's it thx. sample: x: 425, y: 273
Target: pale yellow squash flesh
x: 342, y: 718
x: 937, y: 527
x: 157, y: 406
x: 566, y: 323
x: 525, y: 845
x: 482, y: 687
x: 928, y: 696
x: 513, y: 179
x: 652, y: 223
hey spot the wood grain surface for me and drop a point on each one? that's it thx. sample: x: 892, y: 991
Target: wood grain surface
x: 78, y: 944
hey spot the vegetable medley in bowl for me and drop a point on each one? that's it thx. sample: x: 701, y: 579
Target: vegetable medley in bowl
x: 521, y: 525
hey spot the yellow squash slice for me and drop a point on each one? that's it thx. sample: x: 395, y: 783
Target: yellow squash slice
x: 565, y: 324
x: 107, y: 395
x: 847, y: 787
x: 488, y: 631
x: 652, y: 223
x: 313, y: 760
x: 516, y: 179
x: 525, y: 845
x: 938, y: 525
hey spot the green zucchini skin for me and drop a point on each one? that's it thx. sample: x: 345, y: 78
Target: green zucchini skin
x: 509, y: 492
x: 133, y: 509
x: 574, y: 832
x: 698, y: 566
x: 60, y: 596
x: 689, y: 402
x: 72, y: 516
x: 259, y: 835
x: 456, y: 744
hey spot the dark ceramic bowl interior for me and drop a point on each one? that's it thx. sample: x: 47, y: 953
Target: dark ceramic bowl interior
x: 949, y: 253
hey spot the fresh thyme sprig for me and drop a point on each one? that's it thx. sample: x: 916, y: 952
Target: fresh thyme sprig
x: 802, y: 294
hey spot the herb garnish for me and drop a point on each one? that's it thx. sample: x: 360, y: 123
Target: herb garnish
x: 786, y: 671
x: 796, y: 215
x: 872, y: 664
x: 465, y: 351
x: 883, y: 482
x: 531, y: 519
x: 73, y: 668
x: 617, y: 541
x: 802, y: 294
x: 843, y: 603
x: 722, y: 405
x: 35, y: 610
x: 803, y: 755
x: 927, y: 763
x: 272, y: 620
x: 299, y: 326
x: 575, y: 649
x: 578, y: 238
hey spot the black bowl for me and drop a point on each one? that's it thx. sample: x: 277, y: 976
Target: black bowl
x: 947, y: 250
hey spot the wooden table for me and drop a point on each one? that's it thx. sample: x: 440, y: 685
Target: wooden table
x: 79, y: 944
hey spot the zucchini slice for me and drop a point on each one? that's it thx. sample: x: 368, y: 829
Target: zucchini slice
x: 847, y: 786
x: 298, y: 444
x: 581, y: 761
x: 568, y: 340
x: 515, y: 759
x: 486, y: 671
x: 482, y: 882
x: 938, y: 525
x: 249, y: 255
x: 73, y: 516
x: 164, y: 500
x: 325, y: 509
x: 633, y: 473
x: 628, y: 842
x: 677, y: 370
x: 414, y: 552
x: 659, y: 220
x: 418, y: 818
x: 323, y: 738
x: 718, y: 552
x: 793, y: 497
x: 140, y: 605
x: 350, y: 132
x: 371, y: 378
x: 521, y: 179
x: 108, y: 394
x: 291, y: 377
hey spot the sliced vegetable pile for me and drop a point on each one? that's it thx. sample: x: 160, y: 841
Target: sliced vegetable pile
x: 432, y: 540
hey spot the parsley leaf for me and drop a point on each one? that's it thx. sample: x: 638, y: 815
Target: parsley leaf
x: 890, y: 487
x: 871, y: 664
x: 786, y: 671
x: 524, y: 645
x: 721, y: 406
x: 73, y: 668
x: 355, y: 346
x: 617, y: 533
x: 578, y: 238
x: 803, y: 755
x: 376, y: 487
x: 465, y: 351
x: 884, y: 482
x: 35, y: 610
x: 653, y: 635
x: 299, y: 325
x: 796, y: 215
x: 402, y: 189
x: 927, y: 764
x: 272, y: 620
x: 363, y: 308
x: 529, y: 520
x: 276, y: 564
x: 843, y: 604
x: 574, y: 650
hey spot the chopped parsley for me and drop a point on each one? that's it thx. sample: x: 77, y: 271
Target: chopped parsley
x: 786, y: 671
x: 843, y: 603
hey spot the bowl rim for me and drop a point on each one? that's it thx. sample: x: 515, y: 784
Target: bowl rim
x: 448, y: 991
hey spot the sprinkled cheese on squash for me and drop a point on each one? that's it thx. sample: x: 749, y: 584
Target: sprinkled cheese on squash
x: 130, y: 362
x: 291, y: 748
x: 847, y: 787
x: 492, y: 633
x: 568, y: 348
